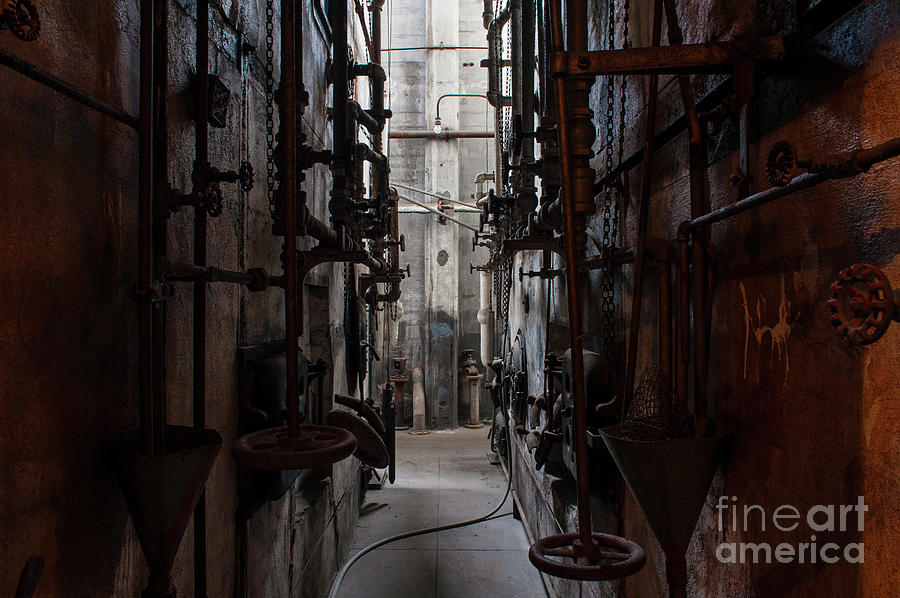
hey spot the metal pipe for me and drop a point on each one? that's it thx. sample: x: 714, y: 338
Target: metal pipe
x: 145, y: 230
x: 445, y: 134
x: 288, y: 130
x: 56, y: 84
x: 682, y: 317
x: 439, y: 213
x: 573, y: 195
x: 430, y: 194
x: 455, y: 95
x: 255, y: 280
x: 341, y: 202
x: 853, y: 163
x: 664, y: 301
x: 643, y: 219
x: 698, y: 245
x: 441, y: 47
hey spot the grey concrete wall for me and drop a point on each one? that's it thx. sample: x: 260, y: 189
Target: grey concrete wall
x: 439, y: 303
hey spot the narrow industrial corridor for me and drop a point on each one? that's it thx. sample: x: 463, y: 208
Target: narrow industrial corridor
x: 446, y: 478
x: 449, y: 298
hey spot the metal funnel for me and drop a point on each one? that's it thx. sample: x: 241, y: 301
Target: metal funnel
x: 161, y: 493
x: 669, y: 479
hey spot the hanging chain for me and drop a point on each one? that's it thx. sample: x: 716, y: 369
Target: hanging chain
x: 607, y: 289
x: 270, y: 105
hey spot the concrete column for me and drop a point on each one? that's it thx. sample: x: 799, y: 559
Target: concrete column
x: 442, y: 241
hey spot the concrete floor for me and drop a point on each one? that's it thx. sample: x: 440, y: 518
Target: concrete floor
x: 443, y: 477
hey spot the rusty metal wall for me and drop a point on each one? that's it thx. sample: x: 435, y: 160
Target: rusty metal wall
x: 813, y: 420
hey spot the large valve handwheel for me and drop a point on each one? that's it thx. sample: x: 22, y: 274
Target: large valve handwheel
x: 274, y: 449
x: 370, y: 447
x: 862, y: 304
x: 22, y: 19
x: 611, y: 557
x: 363, y: 409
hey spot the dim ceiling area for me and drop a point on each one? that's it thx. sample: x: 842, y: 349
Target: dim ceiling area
x: 454, y: 298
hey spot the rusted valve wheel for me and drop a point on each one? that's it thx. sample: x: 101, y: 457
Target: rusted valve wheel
x: 273, y: 449
x: 370, y: 448
x: 22, y: 19
x: 862, y: 304
x: 612, y: 557
x: 363, y: 409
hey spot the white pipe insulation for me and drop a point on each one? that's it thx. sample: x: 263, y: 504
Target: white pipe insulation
x: 486, y: 319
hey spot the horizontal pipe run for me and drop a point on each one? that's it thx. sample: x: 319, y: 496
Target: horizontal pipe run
x: 443, y: 135
x: 430, y: 194
x: 710, y: 57
x: 372, y: 124
x: 442, y: 47
x: 255, y: 280
x: 318, y: 230
x: 439, y: 213
x: 415, y: 210
x: 56, y: 84
x: 848, y: 165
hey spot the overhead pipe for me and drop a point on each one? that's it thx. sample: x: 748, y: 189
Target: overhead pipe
x: 444, y: 135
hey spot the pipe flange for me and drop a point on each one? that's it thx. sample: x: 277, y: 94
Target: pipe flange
x: 610, y: 557
x: 780, y: 163
x: 22, y: 18
x: 861, y: 304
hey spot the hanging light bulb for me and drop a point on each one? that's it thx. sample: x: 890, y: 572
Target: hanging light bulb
x: 437, y: 125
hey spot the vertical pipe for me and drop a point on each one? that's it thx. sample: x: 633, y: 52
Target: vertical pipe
x: 643, y: 217
x: 145, y: 231
x: 341, y: 168
x: 289, y: 180
x: 577, y: 182
x: 682, y: 317
x: 201, y: 161
x: 418, y: 376
x: 160, y: 236
x: 698, y: 240
x: 664, y: 299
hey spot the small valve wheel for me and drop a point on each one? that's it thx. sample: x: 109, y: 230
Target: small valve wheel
x: 212, y: 200
x: 862, y: 304
x: 780, y: 163
x: 22, y: 19
x: 611, y: 557
x: 245, y: 176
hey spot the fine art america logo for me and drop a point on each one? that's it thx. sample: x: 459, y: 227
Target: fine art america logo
x: 828, y: 519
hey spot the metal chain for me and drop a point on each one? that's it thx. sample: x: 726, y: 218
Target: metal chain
x: 607, y: 289
x: 270, y: 105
